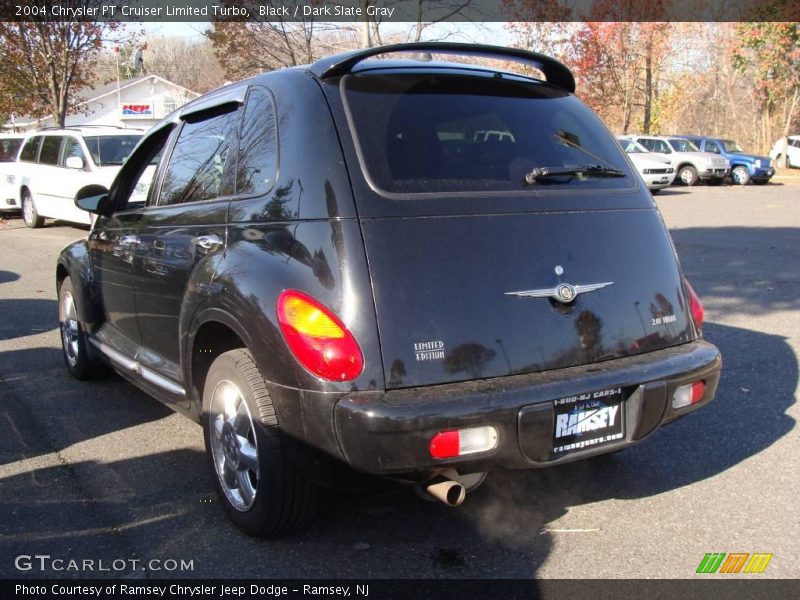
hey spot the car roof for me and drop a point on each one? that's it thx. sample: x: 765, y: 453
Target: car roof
x: 106, y: 130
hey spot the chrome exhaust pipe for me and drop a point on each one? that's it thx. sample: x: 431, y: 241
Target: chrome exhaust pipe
x: 446, y: 490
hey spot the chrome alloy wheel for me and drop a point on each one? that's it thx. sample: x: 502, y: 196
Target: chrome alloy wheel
x: 234, y: 447
x: 69, y: 329
x: 687, y: 177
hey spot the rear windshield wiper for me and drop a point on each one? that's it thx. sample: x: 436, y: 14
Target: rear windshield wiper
x: 587, y: 170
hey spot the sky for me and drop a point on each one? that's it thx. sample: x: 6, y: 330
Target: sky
x: 493, y: 33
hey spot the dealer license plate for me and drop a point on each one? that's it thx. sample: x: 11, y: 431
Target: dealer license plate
x: 588, y: 420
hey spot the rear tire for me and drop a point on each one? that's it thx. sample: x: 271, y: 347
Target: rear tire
x: 259, y: 486
x: 30, y: 217
x: 74, y: 343
x: 688, y: 175
x: 740, y: 175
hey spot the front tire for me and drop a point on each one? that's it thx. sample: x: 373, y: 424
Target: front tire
x: 30, y: 216
x: 74, y: 343
x: 740, y: 175
x: 258, y: 484
x: 688, y: 175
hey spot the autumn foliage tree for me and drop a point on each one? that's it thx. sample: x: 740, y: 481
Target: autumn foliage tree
x: 42, y: 63
x: 770, y: 53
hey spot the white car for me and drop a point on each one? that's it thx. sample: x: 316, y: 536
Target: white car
x: 55, y: 163
x: 9, y: 150
x: 655, y: 168
x: 792, y: 151
x: 691, y: 165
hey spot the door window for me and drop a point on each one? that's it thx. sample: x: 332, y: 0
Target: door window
x: 72, y: 148
x: 712, y: 147
x: 202, y: 165
x: 30, y: 149
x: 51, y: 146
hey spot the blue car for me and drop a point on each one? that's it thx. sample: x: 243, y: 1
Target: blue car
x: 744, y: 167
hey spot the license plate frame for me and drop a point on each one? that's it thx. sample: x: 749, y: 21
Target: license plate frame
x: 588, y: 421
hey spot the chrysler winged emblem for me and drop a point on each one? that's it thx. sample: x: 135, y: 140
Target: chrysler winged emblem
x: 563, y: 292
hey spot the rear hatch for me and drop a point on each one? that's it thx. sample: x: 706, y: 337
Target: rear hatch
x: 469, y: 260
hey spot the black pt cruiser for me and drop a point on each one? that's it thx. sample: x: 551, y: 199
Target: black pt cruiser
x: 409, y: 267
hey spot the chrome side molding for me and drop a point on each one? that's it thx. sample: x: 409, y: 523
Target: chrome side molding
x: 148, y: 375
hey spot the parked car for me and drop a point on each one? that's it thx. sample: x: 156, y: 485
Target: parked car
x: 691, y: 165
x: 9, y: 150
x: 655, y: 168
x: 792, y: 151
x: 55, y: 163
x: 744, y: 167
x: 337, y: 268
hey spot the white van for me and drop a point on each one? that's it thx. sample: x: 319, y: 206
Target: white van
x: 9, y: 150
x: 55, y: 163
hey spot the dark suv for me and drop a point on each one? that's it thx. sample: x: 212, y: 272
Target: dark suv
x: 417, y: 269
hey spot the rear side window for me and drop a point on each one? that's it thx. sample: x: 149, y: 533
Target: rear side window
x: 201, y: 165
x: 258, y: 146
x: 8, y: 149
x: 51, y: 147
x: 423, y: 133
x: 30, y: 149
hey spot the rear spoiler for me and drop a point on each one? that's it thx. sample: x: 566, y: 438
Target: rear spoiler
x: 556, y: 73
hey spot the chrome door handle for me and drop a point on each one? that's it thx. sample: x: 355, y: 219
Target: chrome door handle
x: 129, y: 240
x: 207, y: 242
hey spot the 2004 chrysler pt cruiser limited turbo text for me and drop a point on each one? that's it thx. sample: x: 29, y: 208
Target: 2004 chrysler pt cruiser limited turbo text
x: 410, y: 268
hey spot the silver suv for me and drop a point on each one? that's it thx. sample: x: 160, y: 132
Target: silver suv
x: 691, y: 164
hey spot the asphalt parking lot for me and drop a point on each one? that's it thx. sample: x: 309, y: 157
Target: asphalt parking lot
x: 101, y: 471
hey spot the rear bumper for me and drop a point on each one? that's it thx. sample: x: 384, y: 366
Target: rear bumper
x: 389, y: 432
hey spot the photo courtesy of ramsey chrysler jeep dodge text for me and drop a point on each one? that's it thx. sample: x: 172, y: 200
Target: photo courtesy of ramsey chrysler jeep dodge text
x: 406, y: 267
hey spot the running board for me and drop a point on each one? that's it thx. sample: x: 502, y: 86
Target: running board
x: 135, y: 367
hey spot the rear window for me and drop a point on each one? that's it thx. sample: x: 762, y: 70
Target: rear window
x: 437, y: 133
x: 9, y: 149
x: 110, y: 150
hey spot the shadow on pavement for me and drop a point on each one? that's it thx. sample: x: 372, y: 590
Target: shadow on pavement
x: 163, y: 502
x: 38, y: 395
x: 7, y: 276
x: 29, y: 316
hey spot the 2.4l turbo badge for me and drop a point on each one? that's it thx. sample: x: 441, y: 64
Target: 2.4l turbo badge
x: 588, y: 420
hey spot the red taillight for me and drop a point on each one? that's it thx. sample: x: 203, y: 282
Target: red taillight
x: 471, y: 440
x: 698, y: 391
x: 445, y: 444
x: 688, y: 394
x: 318, y: 338
x: 698, y: 314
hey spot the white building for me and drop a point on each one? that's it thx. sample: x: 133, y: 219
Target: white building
x: 139, y: 102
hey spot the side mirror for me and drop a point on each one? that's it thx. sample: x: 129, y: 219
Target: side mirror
x: 93, y: 198
x: 74, y: 162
